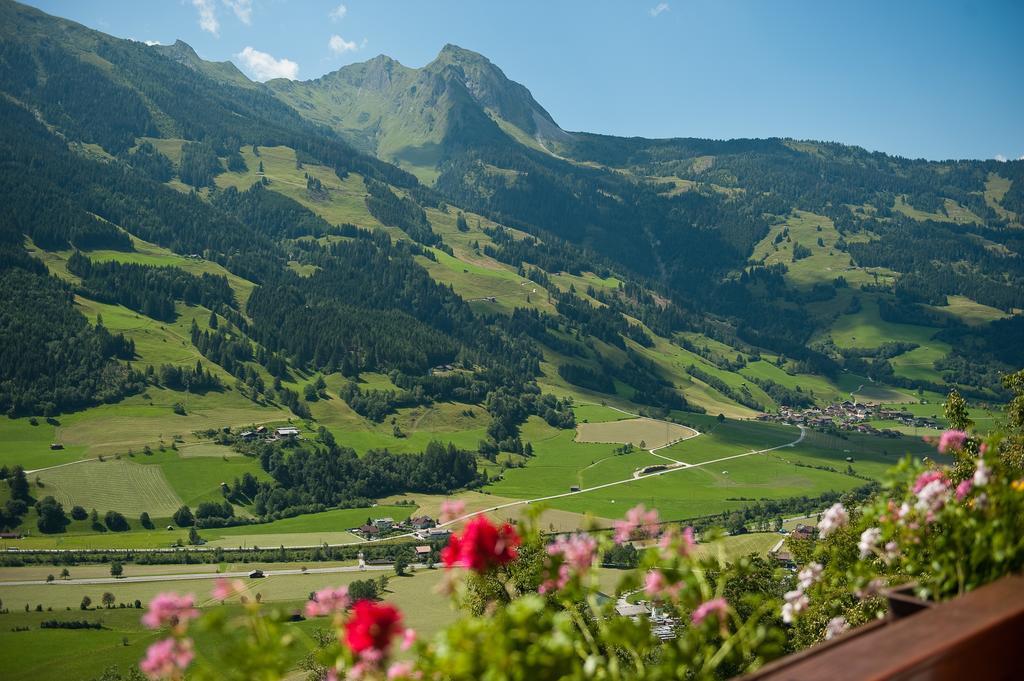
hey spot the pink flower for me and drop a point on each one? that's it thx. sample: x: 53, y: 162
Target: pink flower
x: 927, y: 477
x: 796, y: 603
x: 952, y: 439
x: 401, y: 670
x: 835, y: 627
x: 963, y: 489
x: 932, y: 497
x: 167, y: 658
x: 408, y: 638
x: 573, y: 555
x: 834, y: 518
x: 224, y: 589
x: 452, y: 509
x: 809, y: 575
x: 716, y: 606
x: 685, y: 540
x: 327, y: 601
x: 637, y: 519
x: 654, y: 583
x: 170, y: 609
x: 869, y: 539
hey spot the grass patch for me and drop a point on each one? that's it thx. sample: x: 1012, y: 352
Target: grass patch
x: 653, y: 434
x: 117, y: 485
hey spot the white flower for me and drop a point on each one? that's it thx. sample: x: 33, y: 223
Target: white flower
x: 932, y: 497
x: 809, y: 575
x: 835, y: 627
x: 833, y: 519
x: 868, y: 541
x: 892, y: 551
x: 981, y: 474
x: 796, y: 602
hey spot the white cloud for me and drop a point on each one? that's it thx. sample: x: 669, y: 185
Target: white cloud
x: 338, y: 13
x: 1021, y: 157
x: 659, y: 8
x: 151, y: 43
x: 339, y: 45
x: 1000, y: 158
x: 242, y: 10
x: 207, y: 16
x: 262, y: 66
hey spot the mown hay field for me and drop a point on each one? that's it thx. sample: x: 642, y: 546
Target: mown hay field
x: 652, y: 433
x: 116, y: 484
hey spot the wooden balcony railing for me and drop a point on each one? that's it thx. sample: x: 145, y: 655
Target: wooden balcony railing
x: 972, y: 638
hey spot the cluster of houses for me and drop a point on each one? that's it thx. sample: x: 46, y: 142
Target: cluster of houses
x: 850, y: 416
x: 424, y: 526
x: 263, y: 433
x: 663, y: 624
x: 781, y: 555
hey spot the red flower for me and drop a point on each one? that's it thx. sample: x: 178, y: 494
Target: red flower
x: 481, y: 546
x: 372, y: 626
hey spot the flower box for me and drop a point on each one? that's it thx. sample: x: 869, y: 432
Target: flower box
x: 903, y: 602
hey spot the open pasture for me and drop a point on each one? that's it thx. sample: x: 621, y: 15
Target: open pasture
x: 728, y: 438
x: 714, y: 488
x: 651, y: 433
x: 560, y: 463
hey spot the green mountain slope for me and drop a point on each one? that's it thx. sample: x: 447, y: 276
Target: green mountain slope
x: 419, y: 117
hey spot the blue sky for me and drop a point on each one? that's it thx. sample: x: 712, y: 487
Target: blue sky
x: 933, y: 79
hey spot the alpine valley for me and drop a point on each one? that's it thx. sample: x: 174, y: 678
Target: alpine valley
x: 237, y: 315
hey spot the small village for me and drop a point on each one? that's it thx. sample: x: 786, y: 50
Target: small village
x: 849, y: 416
x: 424, y: 527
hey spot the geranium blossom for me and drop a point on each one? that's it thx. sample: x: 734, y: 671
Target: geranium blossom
x: 963, y: 489
x: 372, y: 626
x: 835, y: 627
x: 795, y: 603
x: 170, y: 609
x: 573, y: 555
x: 834, y: 518
x: 401, y: 670
x: 452, y: 509
x: 408, y: 638
x: 927, y: 478
x: 327, y: 601
x: 932, y: 497
x: 716, y: 606
x: 683, y: 541
x: 481, y: 546
x: 167, y: 658
x: 637, y: 518
x: 869, y: 539
x: 981, y: 474
x: 224, y: 589
x: 952, y: 439
x: 809, y: 575
x: 654, y: 583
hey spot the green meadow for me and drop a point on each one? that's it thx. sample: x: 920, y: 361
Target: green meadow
x: 80, y: 654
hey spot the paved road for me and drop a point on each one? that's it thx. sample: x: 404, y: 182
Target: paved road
x: 202, y: 575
